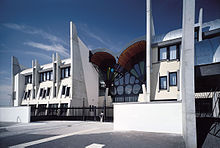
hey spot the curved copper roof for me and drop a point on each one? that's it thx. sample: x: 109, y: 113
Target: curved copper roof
x: 132, y: 54
x: 103, y: 60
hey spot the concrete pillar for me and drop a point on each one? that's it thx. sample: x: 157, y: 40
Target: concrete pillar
x: 187, y: 74
x: 148, y: 50
x: 54, y: 75
x: 37, y: 83
x: 200, y: 24
x: 33, y: 80
x: 58, y: 73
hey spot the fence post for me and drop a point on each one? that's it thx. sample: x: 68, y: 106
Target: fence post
x: 83, y: 109
x: 94, y: 113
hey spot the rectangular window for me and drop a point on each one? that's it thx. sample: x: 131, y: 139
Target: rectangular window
x: 63, y: 90
x: 45, y: 76
x: 163, y: 53
x: 62, y: 73
x: 68, y: 91
x: 29, y: 93
x: 55, y: 92
x: 44, y: 93
x: 51, y: 75
x: 48, y: 75
x: 173, y: 52
x: 28, y: 79
x: 163, y: 82
x: 41, y: 92
x: 34, y: 94
x: 173, y: 79
x: 25, y: 95
x: 48, y: 91
x: 68, y: 71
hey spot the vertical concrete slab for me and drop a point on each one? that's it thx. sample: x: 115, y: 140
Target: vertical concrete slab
x: 187, y: 74
x: 15, y: 68
x: 78, y: 82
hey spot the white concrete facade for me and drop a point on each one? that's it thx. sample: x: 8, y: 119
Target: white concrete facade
x: 51, y: 84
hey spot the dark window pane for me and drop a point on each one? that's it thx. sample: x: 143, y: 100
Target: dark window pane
x: 68, y: 91
x: 41, y: 92
x: 48, y: 91
x: 63, y: 90
x: 29, y: 93
x: 44, y: 93
x: 173, y: 52
x: 163, y: 53
x: 173, y: 79
x: 163, y: 82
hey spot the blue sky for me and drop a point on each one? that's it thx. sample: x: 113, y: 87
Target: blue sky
x: 36, y: 29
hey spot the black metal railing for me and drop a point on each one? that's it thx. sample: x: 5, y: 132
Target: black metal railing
x: 75, y: 113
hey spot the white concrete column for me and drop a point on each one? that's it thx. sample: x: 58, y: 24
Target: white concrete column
x: 200, y: 24
x: 54, y: 75
x: 33, y: 80
x: 187, y: 74
x: 37, y: 83
x: 58, y: 74
x: 148, y: 46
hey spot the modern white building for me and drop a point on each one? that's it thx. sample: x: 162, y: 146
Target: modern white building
x: 63, y: 83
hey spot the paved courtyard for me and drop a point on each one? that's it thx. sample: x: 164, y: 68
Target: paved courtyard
x: 79, y: 134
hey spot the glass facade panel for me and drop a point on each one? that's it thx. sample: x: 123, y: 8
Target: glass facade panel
x: 128, y: 89
x: 132, y: 79
x: 122, y: 81
x: 120, y: 90
x: 136, y: 88
x: 127, y: 76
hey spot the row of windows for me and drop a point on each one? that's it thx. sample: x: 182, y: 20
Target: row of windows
x: 45, y: 92
x: 169, y: 52
x: 172, y: 80
x: 28, y: 79
x: 27, y: 94
x: 44, y: 76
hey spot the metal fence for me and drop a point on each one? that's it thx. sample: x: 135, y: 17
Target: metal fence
x: 76, y: 113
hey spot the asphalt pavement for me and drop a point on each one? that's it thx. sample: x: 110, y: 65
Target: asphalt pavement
x: 81, y: 134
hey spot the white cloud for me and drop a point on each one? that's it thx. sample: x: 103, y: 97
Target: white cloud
x: 35, y: 31
x: 54, y: 47
x: 44, y: 56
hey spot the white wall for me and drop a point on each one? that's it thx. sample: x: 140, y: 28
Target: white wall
x: 15, y: 114
x: 150, y: 117
x: 90, y: 75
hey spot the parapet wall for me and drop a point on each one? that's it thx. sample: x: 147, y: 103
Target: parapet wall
x: 15, y: 114
x: 161, y: 117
